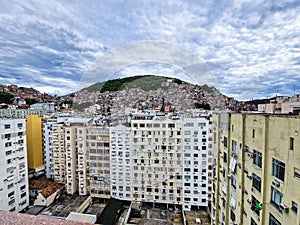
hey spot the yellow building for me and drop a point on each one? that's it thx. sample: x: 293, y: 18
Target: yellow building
x: 34, y: 142
x: 257, y: 169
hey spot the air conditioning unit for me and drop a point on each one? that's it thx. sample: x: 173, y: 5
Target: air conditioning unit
x: 283, y: 207
x: 229, y: 176
x: 249, y: 176
x: 234, y: 154
x: 276, y: 183
x: 249, y: 201
x: 250, y: 154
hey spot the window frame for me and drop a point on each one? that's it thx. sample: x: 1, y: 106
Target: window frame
x: 274, y: 193
x: 257, y: 158
x: 277, y: 167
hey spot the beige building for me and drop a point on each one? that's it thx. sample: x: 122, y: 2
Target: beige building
x: 59, y: 154
x: 86, y: 163
x: 256, y: 171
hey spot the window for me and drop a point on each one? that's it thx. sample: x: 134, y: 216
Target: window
x: 189, y: 124
x: 291, y: 143
x: 20, y: 125
x: 253, y: 133
x: 278, y: 169
x: 171, y: 125
x: 232, y: 215
x: 7, y: 126
x: 7, y: 144
x: 253, y: 222
x: 201, y: 124
x: 257, y: 158
x: 296, y: 173
x: 294, y: 207
x: 256, y: 182
x: 276, y: 197
x: 254, y: 202
x: 234, y: 145
x: 225, y: 141
x: 233, y: 181
x: 225, y: 157
x: 273, y: 220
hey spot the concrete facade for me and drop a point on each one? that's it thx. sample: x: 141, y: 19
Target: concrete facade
x: 121, y: 162
x: 34, y: 143
x: 14, y: 194
x: 256, y: 169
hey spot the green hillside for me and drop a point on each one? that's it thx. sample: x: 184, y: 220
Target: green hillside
x: 145, y: 82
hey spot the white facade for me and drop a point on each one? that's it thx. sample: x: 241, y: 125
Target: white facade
x: 195, y: 162
x: 14, y: 195
x: 168, y: 161
x: 120, y: 163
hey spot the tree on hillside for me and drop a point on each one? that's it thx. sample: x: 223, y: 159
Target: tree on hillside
x: 6, y: 98
x: 30, y: 101
x: 205, y: 106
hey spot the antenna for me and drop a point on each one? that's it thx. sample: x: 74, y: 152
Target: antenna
x: 294, y: 89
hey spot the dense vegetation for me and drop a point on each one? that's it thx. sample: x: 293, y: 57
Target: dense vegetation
x: 30, y: 101
x: 145, y: 82
x: 205, y: 106
x: 6, y: 98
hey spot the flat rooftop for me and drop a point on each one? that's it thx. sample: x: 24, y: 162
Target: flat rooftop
x: 158, y: 215
x: 63, y: 206
x: 201, y: 214
x: 80, y: 217
x: 12, y: 218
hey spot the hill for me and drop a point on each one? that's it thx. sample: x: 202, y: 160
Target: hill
x: 144, y: 82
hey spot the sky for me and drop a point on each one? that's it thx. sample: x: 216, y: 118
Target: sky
x: 247, y: 49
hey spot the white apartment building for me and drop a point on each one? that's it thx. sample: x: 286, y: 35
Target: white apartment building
x: 195, y: 162
x: 14, y: 195
x: 169, y: 160
x: 120, y: 162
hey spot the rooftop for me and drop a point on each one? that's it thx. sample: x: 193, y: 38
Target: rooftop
x: 48, y: 187
x: 12, y: 218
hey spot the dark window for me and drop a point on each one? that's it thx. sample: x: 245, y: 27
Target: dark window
x: 254, y: 202
x: 253, y: 133
x: 225, y: 157
x: 225, y: 142
x: 273, y: 220
x: 278, y: 169
x: 294, y: 207
x: 253, y: 222
x: 291, y: 143
x: 257, y: 158
x: 256, y: 182
x: 232, y: 215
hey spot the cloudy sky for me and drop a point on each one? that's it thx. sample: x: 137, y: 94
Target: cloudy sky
x: 251, y: 48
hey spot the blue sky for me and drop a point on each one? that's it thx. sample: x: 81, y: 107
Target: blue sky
x: 251, y: 48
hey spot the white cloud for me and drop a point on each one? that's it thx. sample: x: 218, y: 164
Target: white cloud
x: 245, y: 44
